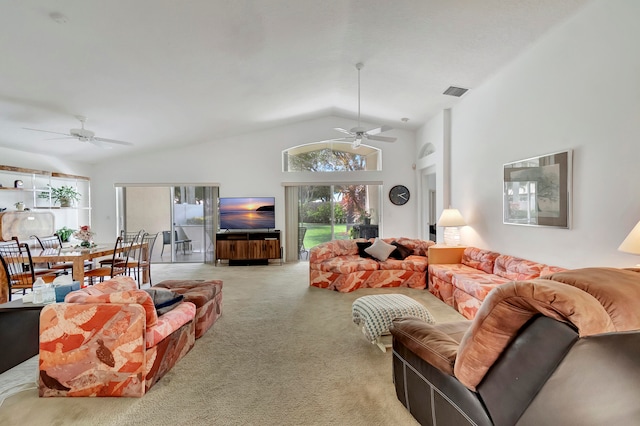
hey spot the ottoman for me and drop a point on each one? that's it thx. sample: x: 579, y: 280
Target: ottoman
x: 376, y: 313
x: 206, y: 295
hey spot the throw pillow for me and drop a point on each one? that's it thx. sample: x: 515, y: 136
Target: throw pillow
x: 401, y: 252
x: 380, y: 250
x: 164, y: 300
x: 361, y: 247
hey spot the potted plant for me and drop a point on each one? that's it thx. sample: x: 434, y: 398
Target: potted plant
x: 64, y: 195
x: 19, y: 205
x: 65, y: 233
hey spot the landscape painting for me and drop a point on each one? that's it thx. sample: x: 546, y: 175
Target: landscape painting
x: 537, y: 191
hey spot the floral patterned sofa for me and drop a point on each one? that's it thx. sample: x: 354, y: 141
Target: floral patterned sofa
x: 337, y: 265
x: 108, y: 340
x: 465, y: 284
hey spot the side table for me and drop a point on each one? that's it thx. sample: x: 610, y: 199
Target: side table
x: 440, y: 253
x: 19, y: 332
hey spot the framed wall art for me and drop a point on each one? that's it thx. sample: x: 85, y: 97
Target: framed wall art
x: 537, y: 191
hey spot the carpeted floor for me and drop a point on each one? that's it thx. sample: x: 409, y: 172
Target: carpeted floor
x: 283, y: 353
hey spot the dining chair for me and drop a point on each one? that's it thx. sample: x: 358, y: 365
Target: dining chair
x: 53, y: 242
x: 131, y: 239
x: 114, y: 268
x: 166, y: 240
x: 19, y: 269
x: 147, y: 241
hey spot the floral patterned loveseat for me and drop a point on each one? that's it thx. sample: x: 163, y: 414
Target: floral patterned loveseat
x: 337, y: 265
x: 465, y: 284
x: 108, y: 340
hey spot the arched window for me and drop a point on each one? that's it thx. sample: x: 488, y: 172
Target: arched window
x: 330, y: 157
x: 318, y: 212
x: 427, y: 149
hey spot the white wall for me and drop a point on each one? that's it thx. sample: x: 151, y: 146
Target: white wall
x: 15, y: 158
x: 578, y: 88
x: 251, y: 165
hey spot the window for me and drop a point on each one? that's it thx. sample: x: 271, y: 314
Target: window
x: 331, y: 157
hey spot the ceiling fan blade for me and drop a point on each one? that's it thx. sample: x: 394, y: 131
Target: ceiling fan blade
x: 113, y: 141
x: 57, y: 139
x: 99, y: 143
x: 47, y: 131
x: 379, y: 130
x: 381, y: 138
x: 341, y: 130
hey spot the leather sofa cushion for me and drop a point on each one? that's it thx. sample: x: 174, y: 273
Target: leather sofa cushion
x: 436, y: 344
x: 617, y: 290
x: 509, y: 307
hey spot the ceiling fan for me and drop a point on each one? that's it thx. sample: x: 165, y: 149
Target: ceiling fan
x: 358, y: 134
x: 84, y: 135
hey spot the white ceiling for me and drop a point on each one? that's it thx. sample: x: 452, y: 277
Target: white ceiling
x: 161, y: 73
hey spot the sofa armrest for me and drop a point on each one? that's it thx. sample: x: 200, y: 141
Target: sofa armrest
x: 170, y: 322
x: 436, y: 344
x: 92, y: 350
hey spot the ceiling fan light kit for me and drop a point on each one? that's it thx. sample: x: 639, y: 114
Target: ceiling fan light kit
x: 357, y: 134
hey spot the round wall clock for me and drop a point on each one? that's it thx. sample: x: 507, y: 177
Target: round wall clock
x: 399, y: 195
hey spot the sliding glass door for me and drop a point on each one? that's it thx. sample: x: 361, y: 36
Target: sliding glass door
x: 335, y: 212
x: 183, y: 216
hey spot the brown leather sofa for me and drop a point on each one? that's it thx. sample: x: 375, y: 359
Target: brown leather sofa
x: 564, y: 350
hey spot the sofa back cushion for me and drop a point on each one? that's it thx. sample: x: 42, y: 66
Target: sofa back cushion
x: 480, y: 259
x: 333, y: 248
x: 418, y: 247
x: 515, y: 268
x: 508, y: 307
x: 135, y: 296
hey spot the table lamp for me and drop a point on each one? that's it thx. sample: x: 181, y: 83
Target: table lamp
x: 631, y: 244
x: 451, y: 220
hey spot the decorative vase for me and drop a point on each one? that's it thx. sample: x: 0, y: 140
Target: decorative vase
x: 86, y: 244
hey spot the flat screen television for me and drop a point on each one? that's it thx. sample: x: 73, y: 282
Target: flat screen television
x: 247, y: 212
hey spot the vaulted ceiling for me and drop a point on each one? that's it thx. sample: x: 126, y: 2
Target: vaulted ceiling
x: 161, y: 73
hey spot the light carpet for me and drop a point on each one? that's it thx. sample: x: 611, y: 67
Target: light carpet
x: 283, y: 353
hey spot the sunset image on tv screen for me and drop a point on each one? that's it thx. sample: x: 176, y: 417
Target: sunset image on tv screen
x: 247, y: 213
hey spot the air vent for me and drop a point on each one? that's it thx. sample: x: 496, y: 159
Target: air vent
x: 455, y: 91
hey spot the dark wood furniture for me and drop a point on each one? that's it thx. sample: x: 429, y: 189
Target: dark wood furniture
x: 367, y: 231
x: 248, y: 248
x: 19, y: 332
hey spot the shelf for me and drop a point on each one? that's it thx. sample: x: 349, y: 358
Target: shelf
x: 36, y: 194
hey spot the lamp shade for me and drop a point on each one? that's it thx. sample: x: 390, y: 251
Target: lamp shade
x: 451, y: 217
x: 631, y: 244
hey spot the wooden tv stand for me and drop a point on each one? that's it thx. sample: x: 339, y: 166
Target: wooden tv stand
x: 248, y: 248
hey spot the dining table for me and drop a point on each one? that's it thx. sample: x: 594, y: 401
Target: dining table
x: 78, y: 255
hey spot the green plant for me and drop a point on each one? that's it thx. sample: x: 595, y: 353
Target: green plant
x: 64, y: 195
x: 65, y: 233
